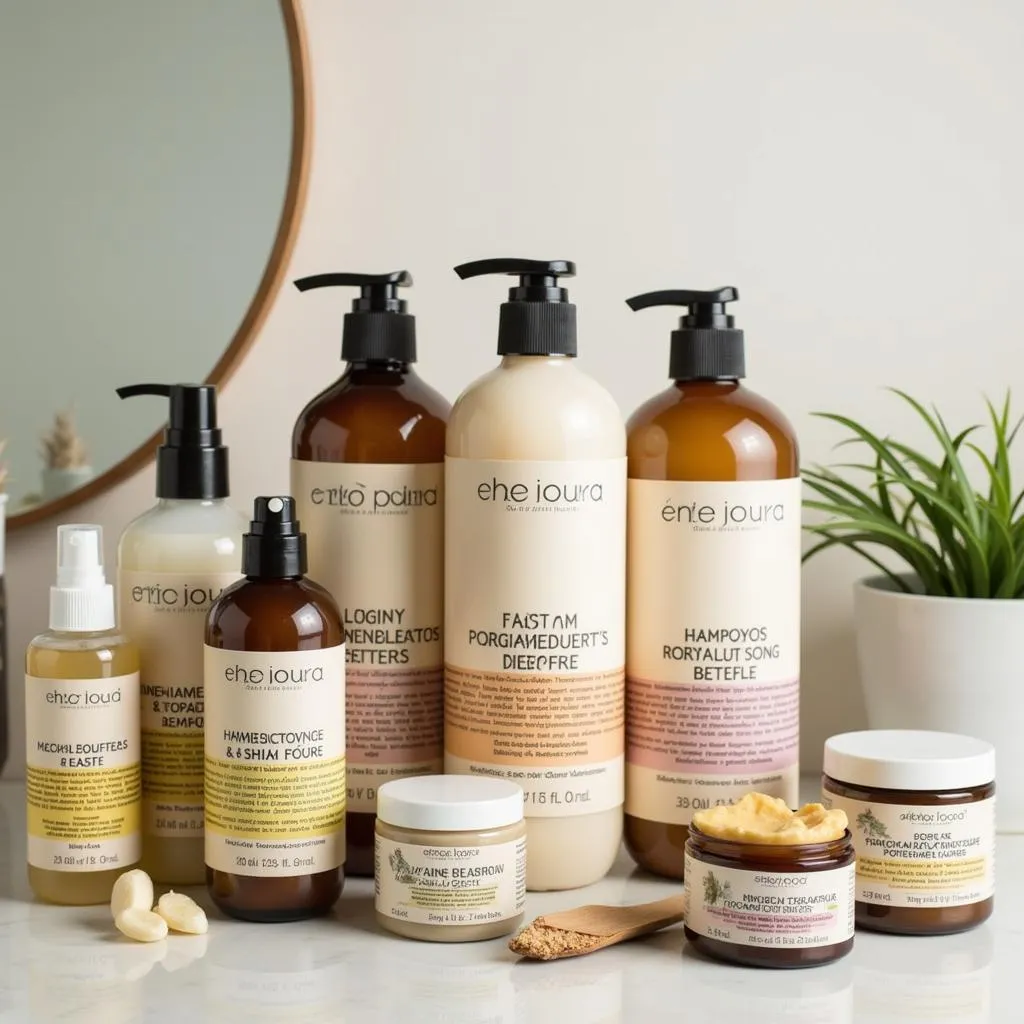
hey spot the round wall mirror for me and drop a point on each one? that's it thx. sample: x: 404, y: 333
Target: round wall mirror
x: 154, y: 166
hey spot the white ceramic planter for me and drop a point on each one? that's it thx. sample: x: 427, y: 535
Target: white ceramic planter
x: 58, y: 482
x: 949, y: 664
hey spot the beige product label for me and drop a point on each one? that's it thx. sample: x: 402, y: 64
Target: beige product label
x: 376, y: 541
x: 275, y: 761
x: 165, y: 614
x: 920, y: 856
x: 713, y: 645
x: 82, y: 772
x: 534, y: 638
x: 775, y: 910
x: 450, y: 885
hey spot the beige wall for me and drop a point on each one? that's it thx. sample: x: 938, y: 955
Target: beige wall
x: 853, y: 168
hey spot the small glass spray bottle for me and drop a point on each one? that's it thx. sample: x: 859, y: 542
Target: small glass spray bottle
x: 82, y: 771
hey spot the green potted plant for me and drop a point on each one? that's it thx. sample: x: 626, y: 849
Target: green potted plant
x: 939, y: 623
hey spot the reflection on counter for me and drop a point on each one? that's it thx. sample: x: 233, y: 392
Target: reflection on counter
x: 84, y: 975
x: 298, y: 976
x: 452, y: 993
x: 938, y: 979
x: 587, y: 990
x: 726, y: 995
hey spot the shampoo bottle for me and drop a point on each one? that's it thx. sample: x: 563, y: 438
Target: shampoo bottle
x: 173, y: 561
x: 535, y: 521
x: 367, y: 473
x: 275, y: 731
x: 82, y: 772
x: 713, y: 647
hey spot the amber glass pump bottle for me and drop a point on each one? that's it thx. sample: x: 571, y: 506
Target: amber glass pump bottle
x: 713, y: 589
x: 367, y: 473
x: 274, y: 672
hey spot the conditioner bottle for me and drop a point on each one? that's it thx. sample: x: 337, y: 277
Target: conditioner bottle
x: 275, y: 732
x: 535, y: 492
x: 713, y: 651
x: 82, y: 773
x: 173, y: 561
x: 367, y: 473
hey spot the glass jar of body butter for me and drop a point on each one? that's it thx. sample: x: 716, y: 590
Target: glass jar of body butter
x: 450, y: 858
x: 757, y: 893
x: 922, y: 809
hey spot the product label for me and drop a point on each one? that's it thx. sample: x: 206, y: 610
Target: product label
x: 275, y: 761
x: 376, y: 541
x: 921, y: 856
x: 450, y: 885
x: 773, y: 909
x: 165, y: 614
x: 535, y: 639
x: 713, y: 666
x: 82, y: 772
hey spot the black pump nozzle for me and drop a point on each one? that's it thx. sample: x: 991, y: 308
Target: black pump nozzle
x: 379, y: 326
x: 192, y: 463
x: 538, y: 318
x: 274, y: 547
x: 706, y: 345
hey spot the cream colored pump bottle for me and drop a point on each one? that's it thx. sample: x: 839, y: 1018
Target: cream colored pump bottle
x: 535, y: 520
x: 173, y: 562
x: 82, y: 771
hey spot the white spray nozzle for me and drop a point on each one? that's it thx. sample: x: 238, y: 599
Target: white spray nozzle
x: 82, y: 600
x: 80, y: 556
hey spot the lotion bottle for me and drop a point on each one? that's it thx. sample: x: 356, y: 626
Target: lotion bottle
x: 83, y: 774
x: 713, y: 607
x: 274, y: 670
x: 535, y: 520
x: 367, y: 472
x: 173, y: 561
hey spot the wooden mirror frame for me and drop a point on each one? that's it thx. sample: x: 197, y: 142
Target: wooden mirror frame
x: 266, y: 291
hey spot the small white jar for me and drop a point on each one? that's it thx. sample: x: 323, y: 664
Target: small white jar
x: 450, y: 858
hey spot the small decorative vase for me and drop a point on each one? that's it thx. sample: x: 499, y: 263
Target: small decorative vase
x: 58, y: 482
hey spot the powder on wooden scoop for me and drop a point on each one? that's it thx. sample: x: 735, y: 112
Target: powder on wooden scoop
x: 542, y: 942
x: 593, y: 927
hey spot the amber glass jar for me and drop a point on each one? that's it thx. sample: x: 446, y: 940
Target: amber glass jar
x: 769, y: 905
x: 922, y: 809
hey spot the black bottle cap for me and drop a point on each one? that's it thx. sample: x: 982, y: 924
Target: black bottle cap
x: 192, y: 462
x: 274, y: 548
x: 378, y: 328
x: 706, y: 345
x: 538, y: 319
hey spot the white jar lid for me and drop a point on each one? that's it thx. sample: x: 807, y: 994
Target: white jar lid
x: 909, y: 759
x: 450, y: 803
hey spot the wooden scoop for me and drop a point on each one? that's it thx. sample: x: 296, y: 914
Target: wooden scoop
x: 586, y: 929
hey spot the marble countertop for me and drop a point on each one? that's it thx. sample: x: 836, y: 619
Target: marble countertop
x: 67, y: 964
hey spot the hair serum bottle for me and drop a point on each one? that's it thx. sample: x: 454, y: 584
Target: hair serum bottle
x: 713, y: 589
x: 83, y: 772
x: 274, y: 673
x: 173, y: 561
x: 367, y: 472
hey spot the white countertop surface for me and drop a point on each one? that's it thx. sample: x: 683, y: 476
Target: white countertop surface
x: 68, y: 964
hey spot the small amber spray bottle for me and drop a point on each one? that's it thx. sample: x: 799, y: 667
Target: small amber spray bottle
x: 82, y: 771
x: 275, y: 731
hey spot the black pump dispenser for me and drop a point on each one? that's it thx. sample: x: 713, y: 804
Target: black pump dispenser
x: 192, y: 463
x: 706, y: 345
x: 378, y: 328
x: 538, y: 319
x: 274, y: 548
